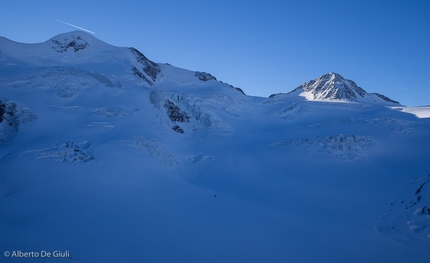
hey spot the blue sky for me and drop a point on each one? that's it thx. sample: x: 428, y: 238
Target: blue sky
x: 263, y: 47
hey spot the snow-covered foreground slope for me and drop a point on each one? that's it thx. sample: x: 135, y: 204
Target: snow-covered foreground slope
x: 107, y: 156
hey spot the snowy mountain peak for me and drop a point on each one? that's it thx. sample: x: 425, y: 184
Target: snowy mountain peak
x: 332, y: 76
x: 75, y: 41
x: 333, y: 87
x: 74, y: 47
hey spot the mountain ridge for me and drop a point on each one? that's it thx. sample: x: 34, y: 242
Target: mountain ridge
x: 115, y: 158
x: 329, y: 87
x: 333, y: 87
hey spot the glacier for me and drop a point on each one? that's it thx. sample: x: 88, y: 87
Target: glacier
x: 112, y: 157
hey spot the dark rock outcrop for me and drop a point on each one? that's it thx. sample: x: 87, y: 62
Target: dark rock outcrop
x: 141, y: 76
x: 150, y: 68
x: 177, y: 129
x: 175, y: 113
x: 2, y: 111
x: 77, y: 43
x: 203, y: 76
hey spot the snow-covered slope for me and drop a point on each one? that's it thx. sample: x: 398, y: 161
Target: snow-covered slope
x: 108, y: 156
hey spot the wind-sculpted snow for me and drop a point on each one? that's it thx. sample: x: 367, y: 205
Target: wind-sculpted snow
x: 156, y: 149
x: 102, y: 124
x: 409, y: 215
x: 344, y: 146
x: 163, y: 153
x: 107, y: 111
x: 65, y: 152
x: 390, y: 124
x: 58, y: 75
x: 66, y: 82
x: 112, y: 112
x: 292, y: 112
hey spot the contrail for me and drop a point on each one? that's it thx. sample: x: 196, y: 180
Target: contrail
x: 86, y: 30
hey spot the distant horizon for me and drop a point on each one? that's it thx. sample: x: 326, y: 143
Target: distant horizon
x: 262, y: 47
